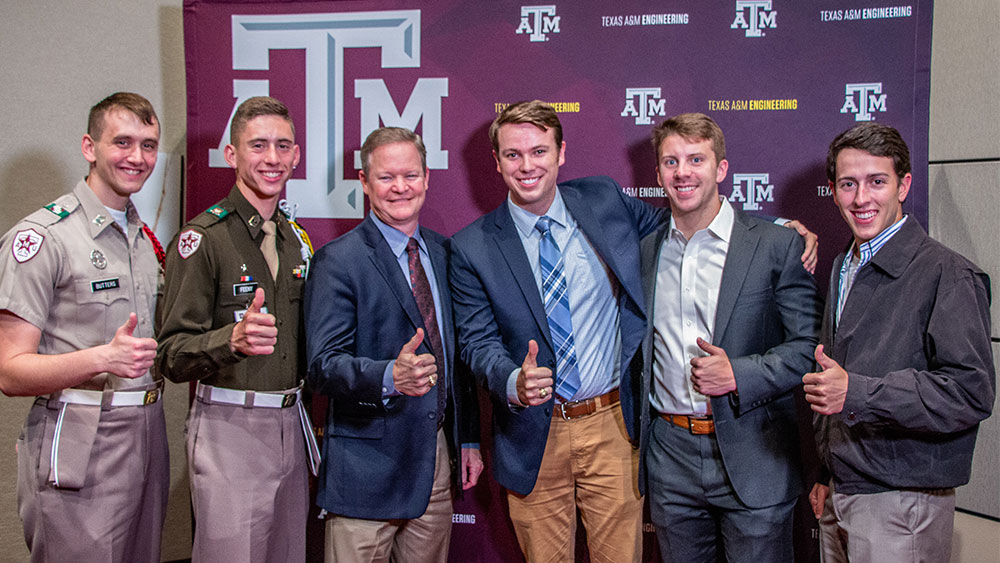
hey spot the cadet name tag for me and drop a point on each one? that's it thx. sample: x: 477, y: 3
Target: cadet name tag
x: 244, y: 288
x: 240, y: 314
x: 103, y: 285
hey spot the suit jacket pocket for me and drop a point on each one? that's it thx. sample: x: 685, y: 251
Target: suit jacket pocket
x: 371, y: 428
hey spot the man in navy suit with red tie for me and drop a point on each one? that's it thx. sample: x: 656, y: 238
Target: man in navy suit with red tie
x: 380, y: 344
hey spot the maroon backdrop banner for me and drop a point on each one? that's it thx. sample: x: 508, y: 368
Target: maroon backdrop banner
x: 781, y: 78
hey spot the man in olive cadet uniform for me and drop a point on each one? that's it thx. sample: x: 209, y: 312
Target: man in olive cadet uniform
x: 231, y: 319
x: 78, y: 281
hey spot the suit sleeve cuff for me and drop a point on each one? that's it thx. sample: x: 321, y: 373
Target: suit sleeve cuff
x: 388, y: 385
x: 512, y: 399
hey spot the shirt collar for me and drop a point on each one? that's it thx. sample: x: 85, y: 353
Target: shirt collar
x: 868, y: 249
x: 721, y: 226
x: 97, y: 214
x: 397, y: 239
x: 526, y: 220
x: 251, y: 218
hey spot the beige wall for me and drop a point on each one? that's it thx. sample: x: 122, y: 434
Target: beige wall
x: 60, y: 57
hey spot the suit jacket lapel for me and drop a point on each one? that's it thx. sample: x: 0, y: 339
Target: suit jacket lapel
x: 512, y: 250
x: 742, y: 245
x: 387, y: 265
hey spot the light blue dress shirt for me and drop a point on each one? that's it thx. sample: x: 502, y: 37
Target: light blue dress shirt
x: 593, y: 299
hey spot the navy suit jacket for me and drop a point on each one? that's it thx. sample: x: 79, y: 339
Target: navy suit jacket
x: 378, y: 459
x: 767, y: 320
x: 498, y: 309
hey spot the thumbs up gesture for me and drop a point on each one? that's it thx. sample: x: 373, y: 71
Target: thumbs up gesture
x: 257, y: 333
x: 826, y: 390
x: 130, y: 356
x: 712, y: 375
x: 534, y: 384
x: 414, y: 374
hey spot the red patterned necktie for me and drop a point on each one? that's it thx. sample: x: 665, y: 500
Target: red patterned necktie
x: 425, y: 302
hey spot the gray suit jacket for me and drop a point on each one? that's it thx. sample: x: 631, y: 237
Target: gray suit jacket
x: 767, y: 321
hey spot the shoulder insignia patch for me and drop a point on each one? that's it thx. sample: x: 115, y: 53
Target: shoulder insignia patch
x: 188, y: 242
x: 218, y: 211
x: 58, y: 210
x: 26, y: 244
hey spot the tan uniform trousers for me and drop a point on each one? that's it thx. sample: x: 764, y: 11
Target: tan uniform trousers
x: 589, y: 464
x: 420, y: 540
x: 117, y: 515
x: 249, y: 484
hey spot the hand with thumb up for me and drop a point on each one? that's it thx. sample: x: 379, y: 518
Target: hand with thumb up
x: 534, y: 384
x: 257, y: 333
x: 414, y: 374
x: 130, y: 356
x: 826, y: 390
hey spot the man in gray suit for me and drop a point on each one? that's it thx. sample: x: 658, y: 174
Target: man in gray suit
x: 734, y: 317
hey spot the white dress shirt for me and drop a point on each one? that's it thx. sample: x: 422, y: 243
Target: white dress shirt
x: 688, y: 276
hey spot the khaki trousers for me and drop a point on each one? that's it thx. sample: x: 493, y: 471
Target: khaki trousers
x: 589, y: 463
x: 890, y: 527
x: 249, y: 484
x: 420, y: 540
x: 117, y: 515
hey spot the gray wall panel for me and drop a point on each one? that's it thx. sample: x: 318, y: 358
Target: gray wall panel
x: 964, y: 211
x: 965, y: 77
x: 982, y: 494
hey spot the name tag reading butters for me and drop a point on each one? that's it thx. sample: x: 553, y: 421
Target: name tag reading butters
x: 104, y: 285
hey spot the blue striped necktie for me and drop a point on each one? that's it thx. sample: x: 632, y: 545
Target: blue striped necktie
x: 556, y: 299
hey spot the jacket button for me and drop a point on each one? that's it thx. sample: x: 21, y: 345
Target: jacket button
x: 548, y: 411
x: 431, y: 415
x: 851, y: 416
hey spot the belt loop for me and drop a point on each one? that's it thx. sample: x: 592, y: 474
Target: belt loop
x: 53, y: 402
x: 248, y: 401
x: 107, y: 396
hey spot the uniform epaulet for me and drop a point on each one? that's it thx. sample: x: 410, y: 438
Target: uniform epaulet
x: 210, y: 216
x: 55, y: 211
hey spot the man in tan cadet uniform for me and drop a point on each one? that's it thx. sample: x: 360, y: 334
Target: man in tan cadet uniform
x: 78, y: 282
x: 231, y: 319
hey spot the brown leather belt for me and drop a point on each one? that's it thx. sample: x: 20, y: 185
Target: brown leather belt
x: 577, y: 409
x: 695, y: 424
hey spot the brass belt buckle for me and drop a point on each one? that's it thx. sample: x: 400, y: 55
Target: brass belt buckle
x: 288, y: 400
x: 151, y: 396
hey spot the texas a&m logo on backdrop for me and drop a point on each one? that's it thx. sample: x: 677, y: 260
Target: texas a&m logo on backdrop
x: 537, y: 21
x: 329, y: 189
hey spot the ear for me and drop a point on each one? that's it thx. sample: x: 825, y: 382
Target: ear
x: 230, y: 155
x: 497, y: 159
x: 904, y: 187
x: 364, y: 182
x: 721, y: 171
x: 562, y: 154
x: 87, y: 145
x: 295, y: 161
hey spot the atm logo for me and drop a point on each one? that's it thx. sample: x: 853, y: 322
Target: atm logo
x: 536, y: 21
x: 330, y: 189
x: 643, y: 104
x: 752, y: 190
x: 863, y: 100
x: 754, y: 16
